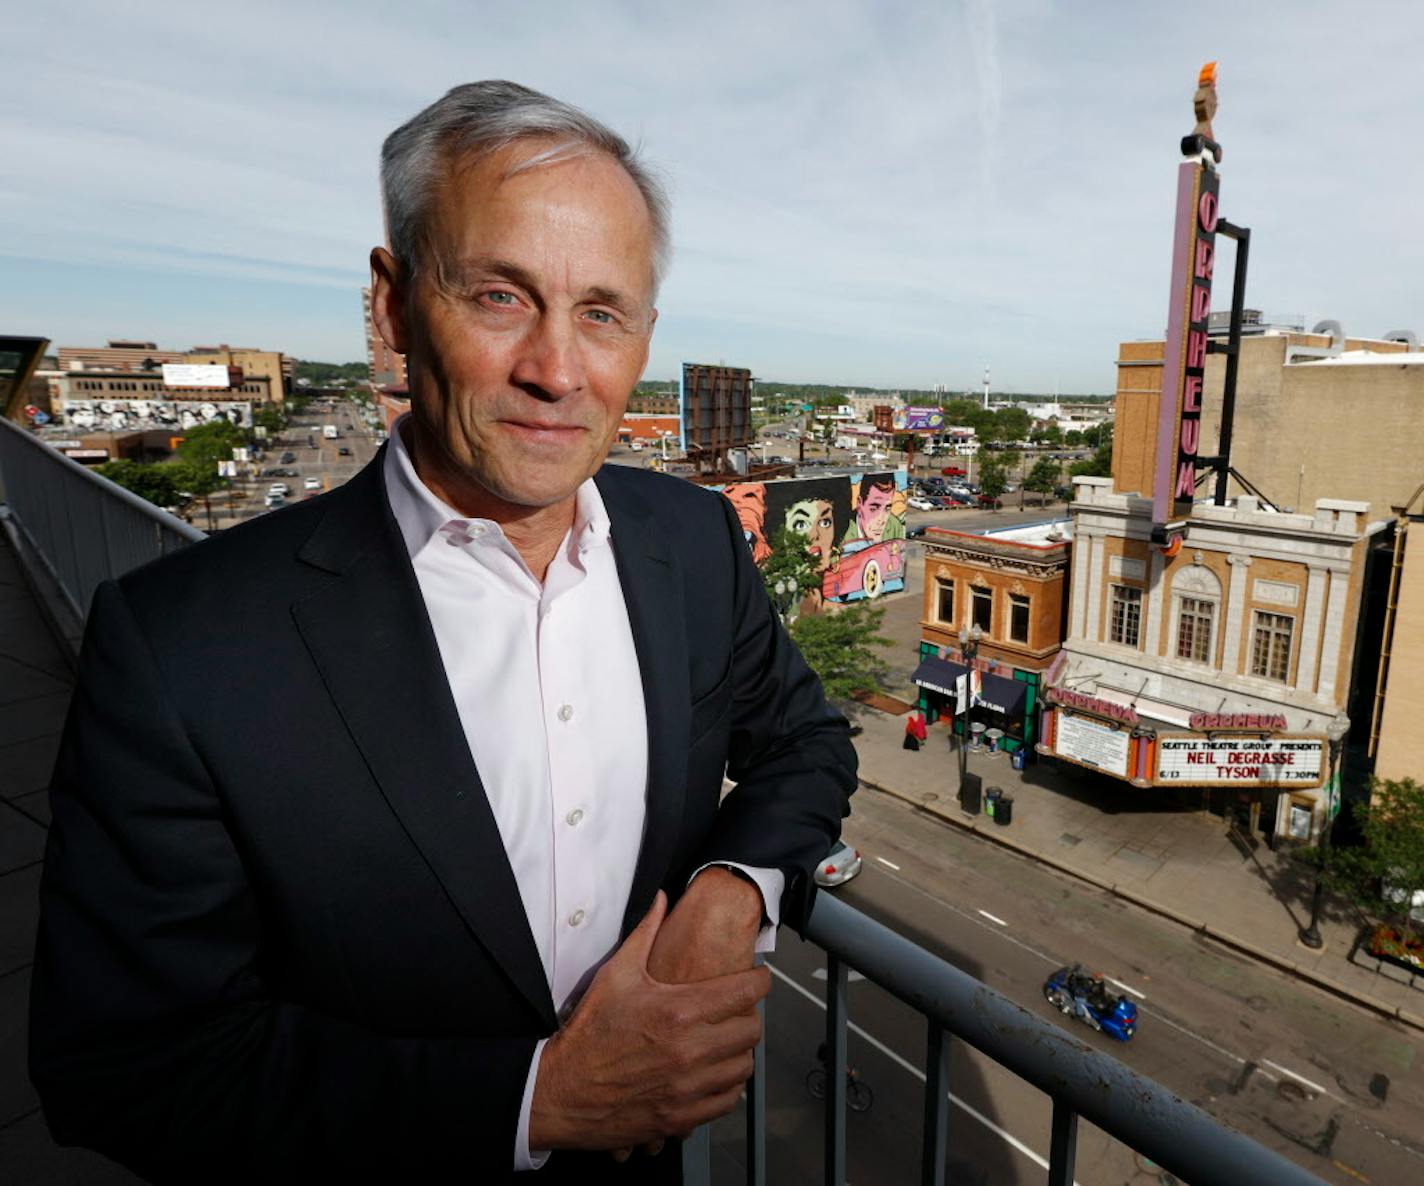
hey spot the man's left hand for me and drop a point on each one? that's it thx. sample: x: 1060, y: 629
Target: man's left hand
x: 711, y: 931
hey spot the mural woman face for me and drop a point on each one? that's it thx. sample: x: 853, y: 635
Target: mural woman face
x: 814, y: 519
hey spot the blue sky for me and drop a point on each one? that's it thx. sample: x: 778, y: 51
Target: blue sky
x: 874, y: 193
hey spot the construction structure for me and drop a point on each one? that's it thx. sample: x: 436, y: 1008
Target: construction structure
x: 715, y: 407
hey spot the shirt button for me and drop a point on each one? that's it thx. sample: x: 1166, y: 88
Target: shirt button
x: 576, y: 918
x: 566, y: 712
x: 475, y: 530
x: 574, y: 817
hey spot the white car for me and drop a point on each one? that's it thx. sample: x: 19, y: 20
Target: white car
x: 840, y: 865
x: 311, y: 484
x: 922, y: 504
x: 279, y: 488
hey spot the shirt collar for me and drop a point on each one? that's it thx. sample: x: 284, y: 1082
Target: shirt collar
x: 420, y: 514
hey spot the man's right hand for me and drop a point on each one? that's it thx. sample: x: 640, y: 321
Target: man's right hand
x: 638, y: 1060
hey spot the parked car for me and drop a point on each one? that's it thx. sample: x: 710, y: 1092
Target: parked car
x: 921, y: 504
x: 288, y: 458
x: 273, y: 501
x: 953, y: 471
x: 915, y: 532
x: 344, y: 451
x: 1063, y: 493
x: 841, y: 864
x: 989, y: 504
x: 311, y: 484
x: 278, y: 488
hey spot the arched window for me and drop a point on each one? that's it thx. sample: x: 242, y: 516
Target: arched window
x: 1196, y: 607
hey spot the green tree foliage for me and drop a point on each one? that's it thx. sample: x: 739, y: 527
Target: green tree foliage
x: 1097, y: 466
x: 842, y: 647
x: 1052, y: 436
x: 1011, y: 424
x: 271, y: 417
x: 212, y: 442
x: 1381, y: 874
x: 1097, y: 435
x: 332, y: 374
x: 155, y: 483
x: 789, y: 561
x: 1073, y: 438
x: 1043, y: 478
x: 993, y: 478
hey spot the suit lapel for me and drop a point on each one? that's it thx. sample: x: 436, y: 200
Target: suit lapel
x: 370, y: 636
x: 652, y: 592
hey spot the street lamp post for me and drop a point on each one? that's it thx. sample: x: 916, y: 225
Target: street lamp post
x: 785, y: 598
x: 1335, y: 733
x: 969, y: 637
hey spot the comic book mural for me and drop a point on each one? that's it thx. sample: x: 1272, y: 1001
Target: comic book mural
x: 854, y: 527
x: 128, y: 415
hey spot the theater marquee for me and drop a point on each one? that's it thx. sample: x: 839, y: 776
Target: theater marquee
x: 1193, y: 761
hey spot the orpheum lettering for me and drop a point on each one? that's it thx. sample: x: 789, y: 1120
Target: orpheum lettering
x: 1198, y: 312
x: 1205, y: 721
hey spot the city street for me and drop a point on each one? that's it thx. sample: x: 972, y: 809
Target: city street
x: 1325, y: 1084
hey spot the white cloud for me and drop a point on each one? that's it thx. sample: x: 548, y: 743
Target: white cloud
x: 871, y: 192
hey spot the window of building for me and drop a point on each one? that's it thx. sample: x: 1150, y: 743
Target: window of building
x: 984, y: 610
x: 1018, y: 618
x: 944, y: 601
x: 1271, y: 645
x: 1194, y: 619
x: 1126, y: 615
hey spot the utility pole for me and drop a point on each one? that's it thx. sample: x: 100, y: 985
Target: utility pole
x: 986, y: 387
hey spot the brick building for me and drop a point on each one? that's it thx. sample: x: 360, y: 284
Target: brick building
x: 387, y: 368
x: 1013, y: 585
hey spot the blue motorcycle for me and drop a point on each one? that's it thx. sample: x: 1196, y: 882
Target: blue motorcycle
x: 1084, y: 996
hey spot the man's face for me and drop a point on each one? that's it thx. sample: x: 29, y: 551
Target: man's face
x: 814, y: 518
x: 528, y: 323
x: 873, y: 511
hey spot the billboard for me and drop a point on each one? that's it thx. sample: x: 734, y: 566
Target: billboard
x: 854, y: 528
x: 1189, y: 308
x: 715, y: 407
x: 913, y: 419
x: 187, y: 374
x: 1194, y: 760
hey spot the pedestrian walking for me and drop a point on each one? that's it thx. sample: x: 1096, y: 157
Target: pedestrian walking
x: 915, y: 731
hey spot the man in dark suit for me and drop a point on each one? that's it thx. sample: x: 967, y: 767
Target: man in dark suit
x: 342, y: 879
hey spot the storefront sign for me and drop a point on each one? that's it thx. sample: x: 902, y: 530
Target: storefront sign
x: 1096, y: 704
x: 1179, y: 416
x: 1210, y: 721
x: 1090, y: 744
x: 1274, y: 761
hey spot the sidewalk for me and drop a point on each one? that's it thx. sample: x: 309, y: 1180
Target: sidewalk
x: 1177, y: 863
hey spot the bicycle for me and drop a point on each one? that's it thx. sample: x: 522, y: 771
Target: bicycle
x: 859, y: 1097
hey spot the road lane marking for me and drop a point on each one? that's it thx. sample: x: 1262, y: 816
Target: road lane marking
x: 992, y: 919
x: 1141, y: 996
x: 888, y: 864
x: 1315, y: 1087
x: 1007, y: 1137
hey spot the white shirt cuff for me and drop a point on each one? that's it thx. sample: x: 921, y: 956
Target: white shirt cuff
x: 771, y: 883
x: 523, y: 1159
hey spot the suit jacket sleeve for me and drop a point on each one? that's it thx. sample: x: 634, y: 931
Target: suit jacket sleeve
x: 789, y: 752
x: 155, y: 1038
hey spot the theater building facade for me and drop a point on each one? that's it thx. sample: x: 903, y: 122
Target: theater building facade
x: 1217, y: 664
x: 1012, y: 585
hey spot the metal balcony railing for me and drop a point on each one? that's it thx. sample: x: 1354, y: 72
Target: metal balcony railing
x: 82, y: 527
x: 1080, y: 1080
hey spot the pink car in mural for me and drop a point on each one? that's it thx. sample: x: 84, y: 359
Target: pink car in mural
x: 866, y: 570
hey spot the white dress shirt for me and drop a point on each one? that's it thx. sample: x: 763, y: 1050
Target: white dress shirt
x: 546, y: 681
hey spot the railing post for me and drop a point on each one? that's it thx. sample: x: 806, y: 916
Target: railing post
x: 756, y: 1106
x: 835, y: 1071
x: 697, y: 1157
x: 1063, y: 1149
x: 936, y: 1106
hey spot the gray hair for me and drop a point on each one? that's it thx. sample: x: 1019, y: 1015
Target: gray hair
x: 477, y: 119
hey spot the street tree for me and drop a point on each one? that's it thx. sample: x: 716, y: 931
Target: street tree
x: 1073, y: 438
x: 992, y: 479
x: 1042, y: 479
x: 1382, y: 874
x: 155, y: 483
x: 1097, y: 466
x: 1012, y: 424
x: 212, y: 442
x: 842, y: 647
x: 1051, y: 435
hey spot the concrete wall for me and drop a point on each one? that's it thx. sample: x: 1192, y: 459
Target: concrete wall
x: 1401, y: 744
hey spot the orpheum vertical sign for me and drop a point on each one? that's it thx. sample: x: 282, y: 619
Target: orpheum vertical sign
x: 1179, y: 422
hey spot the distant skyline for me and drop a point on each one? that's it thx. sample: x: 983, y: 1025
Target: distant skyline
x: 877, y: 194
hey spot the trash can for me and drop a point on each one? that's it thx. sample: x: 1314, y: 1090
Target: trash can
x: 991, y: 801
x: 1004, y: 810
x: 1017, y: 758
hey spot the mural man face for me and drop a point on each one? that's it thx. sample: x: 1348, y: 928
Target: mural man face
x: 874, y: 511
x: 814, y: 518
